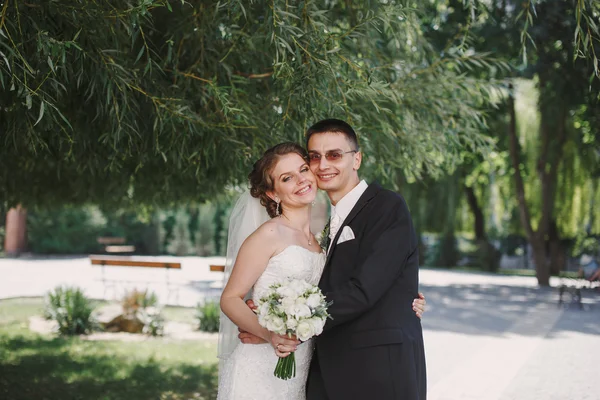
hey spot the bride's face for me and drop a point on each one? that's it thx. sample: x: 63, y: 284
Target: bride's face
x: 294, y: 183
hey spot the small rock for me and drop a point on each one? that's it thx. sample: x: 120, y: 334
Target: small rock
x: 122, y: 323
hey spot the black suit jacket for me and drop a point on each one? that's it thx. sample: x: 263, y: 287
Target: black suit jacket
x: 373, y: 347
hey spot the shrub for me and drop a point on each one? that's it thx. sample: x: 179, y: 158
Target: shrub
x: 63, y: 230
x: 71, y: 310
x: 75, y: 229
x: 153, y: 320
x: 135, y: 300
x: 143, y: 305
x: 513, y: 245
x: 442, y: 252
x: 487, y: 256
x: 208, y: 315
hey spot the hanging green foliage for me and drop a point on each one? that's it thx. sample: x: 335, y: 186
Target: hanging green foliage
x: 169, y: 101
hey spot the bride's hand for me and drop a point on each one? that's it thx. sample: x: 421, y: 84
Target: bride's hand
x: 419, y: 305
x: 283, y: 345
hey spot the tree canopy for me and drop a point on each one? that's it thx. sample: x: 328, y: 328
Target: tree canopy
x: 160, y: 101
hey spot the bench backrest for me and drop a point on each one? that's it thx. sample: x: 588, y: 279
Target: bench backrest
x: 128, y: 262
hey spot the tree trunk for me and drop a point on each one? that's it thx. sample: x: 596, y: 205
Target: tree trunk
x: 448, y: 255
x: 556, y: 250
x: 542, y: 269
x: 15, y: 241
x: 553, y: 135
x: 479, y: 225
x: 515, y: 155
x: 488, y: 257
x: 552, y: 126
x: 537, y: 245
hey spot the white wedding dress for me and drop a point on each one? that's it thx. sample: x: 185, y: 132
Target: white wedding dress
x: 248, y: 372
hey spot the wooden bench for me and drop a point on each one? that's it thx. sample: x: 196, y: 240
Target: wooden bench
x: 574, y: 286
x: 126, y: 261
x: 217, y: 268
x: 115, y: 244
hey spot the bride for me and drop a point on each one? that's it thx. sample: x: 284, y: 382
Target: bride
x: 280, y: 249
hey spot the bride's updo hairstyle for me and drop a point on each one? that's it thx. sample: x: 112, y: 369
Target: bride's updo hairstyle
x: 260, y: 178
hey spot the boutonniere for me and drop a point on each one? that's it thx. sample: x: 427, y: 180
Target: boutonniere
x: 324, y: 237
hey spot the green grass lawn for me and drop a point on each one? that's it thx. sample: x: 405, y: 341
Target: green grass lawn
x: 181, y: 314
x: 46, y: 367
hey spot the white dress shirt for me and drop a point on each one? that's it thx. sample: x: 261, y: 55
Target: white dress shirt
x: 340, y: 211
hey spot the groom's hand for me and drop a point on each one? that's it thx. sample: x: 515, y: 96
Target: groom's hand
x: 251, y: 304
x: 247, y: 337
x: 419, y: 305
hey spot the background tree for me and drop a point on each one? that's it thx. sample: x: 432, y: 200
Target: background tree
x: 563, y: 83
x: 537, y: 39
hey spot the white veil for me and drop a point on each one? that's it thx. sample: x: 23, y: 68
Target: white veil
x: 246, y: 216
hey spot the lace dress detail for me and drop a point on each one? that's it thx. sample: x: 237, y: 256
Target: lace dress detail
x: 248, y: 372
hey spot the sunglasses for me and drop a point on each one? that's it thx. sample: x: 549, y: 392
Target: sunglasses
x: 334, y: 155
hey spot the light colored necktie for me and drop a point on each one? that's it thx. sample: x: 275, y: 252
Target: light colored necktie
x: 334, y: 225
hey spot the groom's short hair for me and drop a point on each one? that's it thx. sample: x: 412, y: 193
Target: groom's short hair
x: 333, y: 125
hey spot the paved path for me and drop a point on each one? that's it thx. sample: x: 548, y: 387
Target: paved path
x: 500, y: 338
x: 487, y: 337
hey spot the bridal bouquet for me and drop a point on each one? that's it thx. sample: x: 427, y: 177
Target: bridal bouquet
x: 292, y: 308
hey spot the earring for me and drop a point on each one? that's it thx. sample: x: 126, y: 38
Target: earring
x: 278, y: 209
x: 313, y: 203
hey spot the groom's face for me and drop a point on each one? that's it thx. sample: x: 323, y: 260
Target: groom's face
x: 334, y: 161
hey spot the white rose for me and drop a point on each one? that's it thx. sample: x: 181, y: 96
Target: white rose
x: 301, y: 311
x: 263, y: 320
x: 297, y: 286
x: 313, y: 301
x: 286, y: 291
x: 317, y: 324
x: 305, y: 330
x: 292, y: 323
x: 288, y: 302
x: 290, y: 310
x: 276, y: 324
x: 300, y: 301
x: 263, y: 309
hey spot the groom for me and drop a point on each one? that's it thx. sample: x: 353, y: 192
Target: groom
x: 373, y: 347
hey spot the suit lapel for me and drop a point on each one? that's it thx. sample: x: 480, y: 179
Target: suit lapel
x: 371, y: 192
